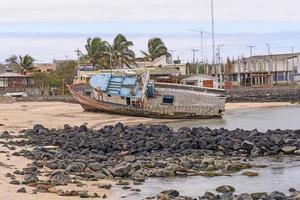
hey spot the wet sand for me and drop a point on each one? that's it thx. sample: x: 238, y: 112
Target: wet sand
x: 23, y: 115
x: 8, y: 164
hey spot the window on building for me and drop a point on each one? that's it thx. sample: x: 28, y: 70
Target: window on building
x: 3, y: 82
x: 168, y: 99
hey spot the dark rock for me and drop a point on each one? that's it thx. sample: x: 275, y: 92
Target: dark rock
x: 258, y: 195
x: 276, y: 195
x: 82, y: 128
x: 95, y: 166
x: 247, y: 145
x: 289, y: 149
x: 30, y: 178
x: 103, y: 185
x: 169, y: 193
x: 292, y: 190
x: 15, y: 182
x: 21, y: 190
x: 245, y: 196
x: 122, y: 183
x: 225, y: 189
x: 75, y: 167
x: 122, y: 170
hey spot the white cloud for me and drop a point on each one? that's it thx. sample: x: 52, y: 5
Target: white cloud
x: 142, y: 10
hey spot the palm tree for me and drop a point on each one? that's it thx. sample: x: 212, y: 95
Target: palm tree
x: 26, y: 63
x: 121, y: 53
x: 156, y: 49
x: 95, y: 49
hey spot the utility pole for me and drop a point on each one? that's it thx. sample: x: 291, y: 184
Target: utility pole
x: 251, y: 48
x: 78, y: 52
x: 110, y: 58
x: 202, y: 58
x: 172, y: 54
x: 270, y: 64
x: 213, y: 33
x: 293, y: 63
x: 194, y: 53
x: 219, y: 63
x: 269, y: 51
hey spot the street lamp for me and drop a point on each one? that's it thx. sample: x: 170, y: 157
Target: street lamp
x: 213, y: 31
x: 219, y: 63
x: 201, y: 49
x: 251, y: 49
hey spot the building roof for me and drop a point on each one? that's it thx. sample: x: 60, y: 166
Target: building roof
x: 277, y: 56
x: 195, y: 76
x: 11, y: 74
x: 164, y: 71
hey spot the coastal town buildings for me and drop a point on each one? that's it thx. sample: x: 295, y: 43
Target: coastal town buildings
x: 263, y: 70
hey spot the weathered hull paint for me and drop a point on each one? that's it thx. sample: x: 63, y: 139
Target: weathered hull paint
x: 92, y: 105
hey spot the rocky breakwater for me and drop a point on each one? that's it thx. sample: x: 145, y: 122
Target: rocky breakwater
x: 76, y: 154
x: 226, y: 192
x: 264, y: 94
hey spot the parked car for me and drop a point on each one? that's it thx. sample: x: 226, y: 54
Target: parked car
x: 16, y: 94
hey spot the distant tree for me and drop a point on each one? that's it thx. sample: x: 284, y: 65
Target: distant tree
x: 64, y: 74
x: 41, y: 80
x: 66, y: 71
x: 121, y: 52
x: 156, y: 49
x: 12, y: 62
x: 26, y: 63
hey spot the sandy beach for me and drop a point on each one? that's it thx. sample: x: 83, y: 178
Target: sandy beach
x: 22, y: 115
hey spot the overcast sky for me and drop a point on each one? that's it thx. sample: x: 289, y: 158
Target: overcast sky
x: 52, y: 29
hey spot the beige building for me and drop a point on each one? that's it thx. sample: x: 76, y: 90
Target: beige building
x: 44, y: 67
x: 264, y: 70
x: 162, y: 62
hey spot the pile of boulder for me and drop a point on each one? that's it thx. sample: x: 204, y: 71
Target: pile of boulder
x: 138, y: 152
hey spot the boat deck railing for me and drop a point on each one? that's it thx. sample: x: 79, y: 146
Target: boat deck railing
x: 191, y: 88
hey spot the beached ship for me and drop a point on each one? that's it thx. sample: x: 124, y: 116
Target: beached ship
x: 137, y: 95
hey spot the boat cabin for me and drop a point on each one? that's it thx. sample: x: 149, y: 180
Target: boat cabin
x: 121, y: 89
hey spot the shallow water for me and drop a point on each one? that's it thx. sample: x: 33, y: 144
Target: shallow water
x: 286, y: 117
x: 279, y: 176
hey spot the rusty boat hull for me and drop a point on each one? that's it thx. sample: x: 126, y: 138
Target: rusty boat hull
x: 149, y: 109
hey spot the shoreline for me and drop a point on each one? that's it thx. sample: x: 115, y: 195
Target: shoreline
x: 247, y: 105
x: 23, y: 115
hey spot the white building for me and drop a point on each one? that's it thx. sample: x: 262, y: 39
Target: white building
x: 201, y: 80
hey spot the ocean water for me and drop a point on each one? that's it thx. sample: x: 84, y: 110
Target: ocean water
x: 286, y: 117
